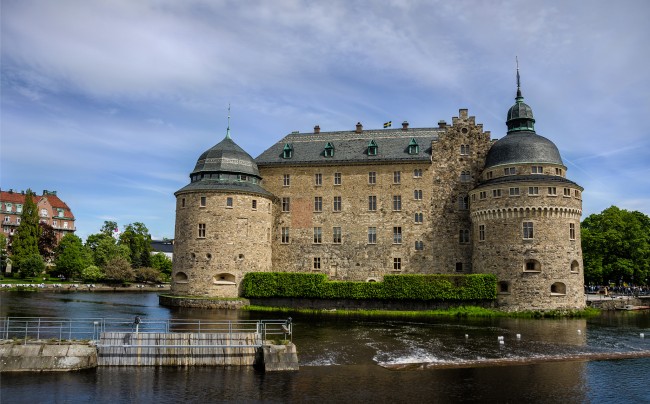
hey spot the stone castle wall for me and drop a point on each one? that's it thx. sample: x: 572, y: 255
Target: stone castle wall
x: 236, y: 241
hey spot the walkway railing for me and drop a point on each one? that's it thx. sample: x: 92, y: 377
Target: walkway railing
x: 90, y: 329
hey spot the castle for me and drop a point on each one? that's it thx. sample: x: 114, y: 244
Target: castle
x: 357, y: 205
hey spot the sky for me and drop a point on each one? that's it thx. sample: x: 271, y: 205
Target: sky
x: 110, y: 103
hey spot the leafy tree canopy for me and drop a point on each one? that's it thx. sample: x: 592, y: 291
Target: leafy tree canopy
x: 71, y: 257
x: 25, y: 240
x: 118, y: 270
x: 616, y: 247
x: 136, y: 236
x: 47, y: 242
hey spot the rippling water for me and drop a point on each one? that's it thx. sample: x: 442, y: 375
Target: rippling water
x: 344, y: 359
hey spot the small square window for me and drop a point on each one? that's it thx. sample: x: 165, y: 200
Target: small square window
x: 419, y: 245
x: 496, y: 193
x: 397, y: 264
x: 509, y: 171
x: 417, y: 173
x: 552, y: 191
x: 567, y: 191
x: 482, y: 195
x: 533, y: 190
x: 537, y: 170
x: 316, y: 263
x: 513, y: 191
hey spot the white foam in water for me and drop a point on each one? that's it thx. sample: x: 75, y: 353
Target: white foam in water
x: 642, y: 335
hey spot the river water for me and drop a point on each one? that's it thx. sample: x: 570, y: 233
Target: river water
x: 348, y: 359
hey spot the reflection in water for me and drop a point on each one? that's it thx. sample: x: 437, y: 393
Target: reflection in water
x: 340, y: 358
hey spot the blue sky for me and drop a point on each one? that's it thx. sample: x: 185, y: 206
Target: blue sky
x: 110, y: 103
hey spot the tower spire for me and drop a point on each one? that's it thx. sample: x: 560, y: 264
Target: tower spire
x: 228, y: 129
x: 519, y: 96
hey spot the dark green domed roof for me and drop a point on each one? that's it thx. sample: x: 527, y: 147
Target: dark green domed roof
x: 226, y: 157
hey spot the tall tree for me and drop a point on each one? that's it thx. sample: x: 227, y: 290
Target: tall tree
x: 25, y: 241
x: 71, y: 256
x: 104, y: 247
x: 3, y: 252
x: 616, y: 247
x: 109, y: 228
x: 136, y: 236
x: 47, y: 242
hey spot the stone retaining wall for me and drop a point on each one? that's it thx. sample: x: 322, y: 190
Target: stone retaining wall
x: 352, y: 304
x: 46, y: 357
x: 170, y: 301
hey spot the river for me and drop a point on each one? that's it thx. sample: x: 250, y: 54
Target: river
x: 353, y: 359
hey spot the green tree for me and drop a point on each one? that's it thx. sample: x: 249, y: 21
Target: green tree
x: 118, y: 269
x: 162, y: 263
x: 47, y: 242
x: 24, y: 243
x: 109, y: 228
x: 31, y: 266
x: 3, y: 253
x: 616, y: 247
x: 104, y: 247
x: 71, y: 257
x: 136, y: 236
x: 146, y: 274
x: 92, y: 273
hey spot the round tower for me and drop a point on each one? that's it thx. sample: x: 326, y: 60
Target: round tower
x: 223, y: 224
x: 526, y: 220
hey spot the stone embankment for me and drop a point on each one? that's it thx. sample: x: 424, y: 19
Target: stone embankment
x: 197, y: 302
x: 43, y: 356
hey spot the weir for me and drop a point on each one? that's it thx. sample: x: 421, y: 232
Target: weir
x: 152, y: 342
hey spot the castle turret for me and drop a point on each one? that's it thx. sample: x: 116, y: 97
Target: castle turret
x: 223, y: 224
x: 526, y: 220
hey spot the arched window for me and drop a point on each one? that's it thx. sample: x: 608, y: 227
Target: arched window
x: 575, y: 266
x: 413, y: 148
x: 180, y: 277
x: 224, y: 279
x: 532, y: 266
x: 558, y: 288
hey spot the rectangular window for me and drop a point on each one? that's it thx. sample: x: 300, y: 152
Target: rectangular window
x: 336, y: 235
x: 528, y: 230
x: 318, y: 179
x: 567, y: 191
x: 509, y: 171
x: 318, y: 235
x: 463, y: 236
x: 533, y: 190
x: 182, y: 202
x: 464, y: 149
x: 463, y: 202
x: 482, y: 195
x: 372, y: 177
x: 552, y: 191
x: 203, y: 201
x: 337, y: 178
x: 397, y: 202
x: 558, y: 171
x: 537, y: 170
x: 465, y: 176
x: 417, y: 194
x: 397, y: 235
x: 417, y: 173
x: 459, y: 267
x: 481, y: 232
x: 7, y: 219
x: 513, y: 191
x: 397, y: 264
x: 286, y: 180
x: 19, y: 208
x: 286, y: 204
x: 488, y: 175
x: 285, y: 235
x: 372, y: 235
x: 419, y: 218
x: 572, y: 231
x: 316, y: 263
x: 229, y: 202
x: 372, y: 203
x: 496, y: 193
x: 577, y: 194
x: 337, y: 204
x: 18, y: 221
x: 201, y: 230
x: 55, y: 223
x: 397, y: 177
x: 318, y: 204
x: 419, y: 245
x: 254, y: 204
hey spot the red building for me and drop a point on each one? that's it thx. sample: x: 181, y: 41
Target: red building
x: 51, y: 210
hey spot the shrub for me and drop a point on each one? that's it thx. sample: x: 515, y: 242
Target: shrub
x: 92, y: 273
x: 394, y: 287
x: 118, y: 269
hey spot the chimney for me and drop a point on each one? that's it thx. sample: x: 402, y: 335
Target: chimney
x: 359, y: 128
x: 317, y: 129
x: 405, y: 125
x: 442, y: 124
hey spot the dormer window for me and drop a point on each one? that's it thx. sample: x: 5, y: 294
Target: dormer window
x: 372, y: 148
x: 414, y: 148
x: 287, y: 152
x: 329, y: 150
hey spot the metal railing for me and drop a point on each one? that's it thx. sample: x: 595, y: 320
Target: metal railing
x: 90, y: 329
